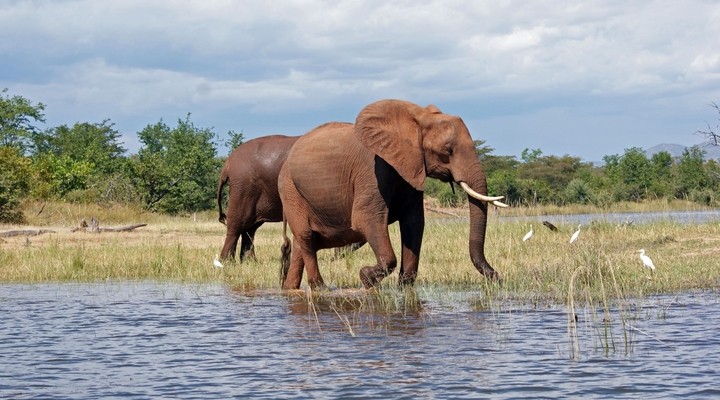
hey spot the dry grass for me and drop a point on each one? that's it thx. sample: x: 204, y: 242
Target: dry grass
x: 605, y: 260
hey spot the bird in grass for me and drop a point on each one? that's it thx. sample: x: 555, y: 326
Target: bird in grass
x: 528, y: 235
x: 217, y: 262
x: 647, y: 262
x: 550, y: 226
x: 575, y: 235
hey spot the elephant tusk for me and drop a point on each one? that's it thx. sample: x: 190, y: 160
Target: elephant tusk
x: 500, y: 204
x: 479, y: 196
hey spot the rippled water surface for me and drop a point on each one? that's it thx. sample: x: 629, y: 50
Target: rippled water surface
x: 159, y: 340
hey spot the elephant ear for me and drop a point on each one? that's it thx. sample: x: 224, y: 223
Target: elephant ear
x: 390, y: 129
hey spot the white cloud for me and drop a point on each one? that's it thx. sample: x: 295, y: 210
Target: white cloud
x: 126, y: 59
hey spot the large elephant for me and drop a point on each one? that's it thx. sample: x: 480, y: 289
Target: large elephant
x: 343, y: 183
x: 252, y: 171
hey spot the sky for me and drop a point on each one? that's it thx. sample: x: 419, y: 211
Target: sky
x: 583, y: 78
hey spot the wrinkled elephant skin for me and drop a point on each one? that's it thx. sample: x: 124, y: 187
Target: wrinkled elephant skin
x: 251, y: 171
x: 344, y: 183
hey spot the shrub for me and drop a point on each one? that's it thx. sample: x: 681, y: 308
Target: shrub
x: 578, y: 191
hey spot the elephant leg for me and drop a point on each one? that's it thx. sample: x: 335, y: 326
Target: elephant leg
x: 230, y: 246
x: 412, y: 226
x: 293, y: 276
x: 247, y: 244
x: 370, y: 276
x: 309, y: 255
x: 314, y: 278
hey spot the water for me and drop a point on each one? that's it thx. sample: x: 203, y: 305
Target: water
x: 682, y: 217
x: 160, y: 340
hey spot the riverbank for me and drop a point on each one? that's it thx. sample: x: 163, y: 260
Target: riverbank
x: 603, y: 263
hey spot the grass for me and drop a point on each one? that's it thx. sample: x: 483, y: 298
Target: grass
x: 604, y: 263
x: 599, y: 278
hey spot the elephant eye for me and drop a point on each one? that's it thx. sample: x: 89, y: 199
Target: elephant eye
x: 448, y: 149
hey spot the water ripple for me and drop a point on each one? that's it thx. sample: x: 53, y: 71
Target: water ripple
x: 149, y: 340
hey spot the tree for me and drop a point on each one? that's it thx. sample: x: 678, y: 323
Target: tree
x: 691, y: 172
x: 630, y: 174
x: 92, y: 143
x: 235, y: 139
x: 713, y: 135
x: 176, y: 169
x: 481, y: 149
x: 17, y: 115
x: 661, y: 164
x: 14, y: 183
x: 529, y: 155
x: 55, y: 176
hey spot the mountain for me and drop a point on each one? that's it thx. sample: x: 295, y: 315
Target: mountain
x: 676, y: 150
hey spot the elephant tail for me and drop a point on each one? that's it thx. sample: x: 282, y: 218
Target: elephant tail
x: 285, y: 253
x: 223, y: 180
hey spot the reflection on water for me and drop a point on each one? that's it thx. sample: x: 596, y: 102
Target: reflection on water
x: 150, y: 340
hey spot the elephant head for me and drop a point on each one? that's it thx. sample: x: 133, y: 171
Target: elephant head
x: 423, y: 142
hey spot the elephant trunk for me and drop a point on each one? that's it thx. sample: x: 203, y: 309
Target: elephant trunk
x: 478, y: 224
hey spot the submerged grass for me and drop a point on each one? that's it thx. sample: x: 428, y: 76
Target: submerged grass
x: 602, y: 266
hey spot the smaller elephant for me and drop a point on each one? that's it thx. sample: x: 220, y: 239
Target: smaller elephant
x: 252, y: 171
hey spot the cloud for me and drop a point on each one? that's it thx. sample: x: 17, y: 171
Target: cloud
x: 127, y: 60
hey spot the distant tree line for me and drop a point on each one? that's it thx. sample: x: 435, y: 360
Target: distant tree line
x: 632, y: 176
x: 176, y: 168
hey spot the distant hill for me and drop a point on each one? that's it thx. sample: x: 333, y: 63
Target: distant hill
x: 676, y: 150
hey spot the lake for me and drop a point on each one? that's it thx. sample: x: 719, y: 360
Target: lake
x: 682, y: 217
x: 163, y: 340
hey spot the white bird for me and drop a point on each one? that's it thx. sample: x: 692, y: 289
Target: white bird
x: 575, y: 235
x: 647, y: 262
x: 528, y: 235
x: 217, y: 262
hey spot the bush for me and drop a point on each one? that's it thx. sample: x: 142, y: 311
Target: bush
x: 443, y: 192
x: 578, y: 191
x: 108, y: 189
x: 703, y: 196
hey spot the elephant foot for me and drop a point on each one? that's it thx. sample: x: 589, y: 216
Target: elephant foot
x: 371, y: 277
x: 488, y: 272
x: 404, y: 281
x: 317, y: 285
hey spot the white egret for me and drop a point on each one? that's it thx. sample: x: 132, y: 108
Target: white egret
x: 217, y: 262
x: 575, y: 235
x: 528, y: 235
x: 647, y: 262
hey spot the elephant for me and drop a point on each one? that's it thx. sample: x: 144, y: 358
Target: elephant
x: 344, y: 183
x: 252, y: 171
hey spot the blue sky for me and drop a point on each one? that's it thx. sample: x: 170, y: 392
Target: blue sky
x: 581, y: 78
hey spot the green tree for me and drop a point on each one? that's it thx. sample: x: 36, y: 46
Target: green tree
x: 17, y: 118
x: 55, y: 176
x: 691, y: 172
x: 661, y: 164
x: 235, y: 139
x: 530, y: 155
x: 481, y: 149
x: 92, y: 143
x: 506, y: 183
x: 630, y: 174
x: 14, y: 183
x: 176, y: 169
